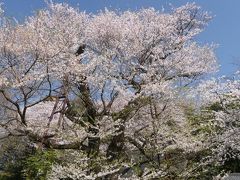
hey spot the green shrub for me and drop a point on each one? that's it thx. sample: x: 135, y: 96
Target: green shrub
x: 38, y: 165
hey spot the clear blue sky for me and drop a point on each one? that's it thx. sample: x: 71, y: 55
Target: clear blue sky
x: 223, y: 30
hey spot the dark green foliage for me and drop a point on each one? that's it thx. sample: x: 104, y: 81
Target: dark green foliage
x: 200, y: 121
x: 215, y: 107
x: 232, y: 164
x: 12, y: 154
x: 37, y: 166
x: 26, y: 164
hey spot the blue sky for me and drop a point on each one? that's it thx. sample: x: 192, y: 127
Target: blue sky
x: 223, y: 30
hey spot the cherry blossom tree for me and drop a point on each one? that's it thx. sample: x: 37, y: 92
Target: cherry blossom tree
x: 110, y: 84
x: 221, y: 97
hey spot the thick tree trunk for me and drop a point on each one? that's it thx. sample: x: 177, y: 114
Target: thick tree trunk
x: 90, y: 115
x: 115, y: 148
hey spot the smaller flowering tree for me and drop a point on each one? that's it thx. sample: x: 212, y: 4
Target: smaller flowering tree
x: 220, y: 99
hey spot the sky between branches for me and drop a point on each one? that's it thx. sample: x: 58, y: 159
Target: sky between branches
x: 223, y: 30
